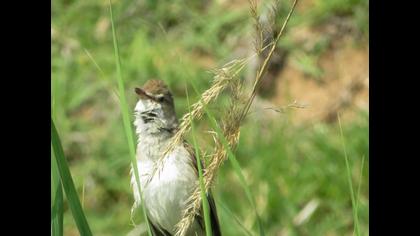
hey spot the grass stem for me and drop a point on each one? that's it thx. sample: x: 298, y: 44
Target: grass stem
x: 126, y: 117
x: 349, y: 179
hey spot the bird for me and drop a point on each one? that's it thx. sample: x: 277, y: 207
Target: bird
x: 165, y: 194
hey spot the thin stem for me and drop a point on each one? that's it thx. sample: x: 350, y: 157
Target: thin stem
x: 353, y: 201
x: 263, y: 68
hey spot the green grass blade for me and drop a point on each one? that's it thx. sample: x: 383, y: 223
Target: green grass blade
x: 234, y: 217
x: 360, y: 184
x: 350, y: 182
x: 56, y: 187
x: 237, y: 169
x: 206, y: 211
x: 57, y: 198
x: 359, y: 187
x: 126, y: 116
x: 53, y: 98
x: 94, y: 62
x: 235, y: 164
x: 68, y: 185
x: 100, y: 70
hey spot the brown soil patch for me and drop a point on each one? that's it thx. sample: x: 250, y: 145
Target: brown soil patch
x: 344, y: 86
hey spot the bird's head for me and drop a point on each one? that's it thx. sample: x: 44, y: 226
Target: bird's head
x: 155, y: 108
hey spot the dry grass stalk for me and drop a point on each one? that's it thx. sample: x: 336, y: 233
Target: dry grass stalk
x: 222, y: 78
x: 231, y: 126
x: 231, y: 133
x: 263, y: 67
x: 259, y: 39
x: 294, y: 104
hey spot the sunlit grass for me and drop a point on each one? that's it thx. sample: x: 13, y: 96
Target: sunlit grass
x: 205, y: 203
x: 232, y: 159
x: 350, y: 182
x: 57, y: 199
x: 294, y: 162
x: 68, y: 186
x: 126, y: 117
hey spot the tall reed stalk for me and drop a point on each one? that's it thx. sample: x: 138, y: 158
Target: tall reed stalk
x: 68, y: 185
x: 228, y: 136
x: 126, y: 116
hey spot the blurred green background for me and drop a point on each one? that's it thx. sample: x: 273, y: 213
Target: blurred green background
x: 292, y: 159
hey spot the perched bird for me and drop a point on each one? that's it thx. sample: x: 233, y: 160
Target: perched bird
x: 165, y: 194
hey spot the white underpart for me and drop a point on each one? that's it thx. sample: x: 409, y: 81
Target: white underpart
x: 145, y: 105
x: 167, y: 193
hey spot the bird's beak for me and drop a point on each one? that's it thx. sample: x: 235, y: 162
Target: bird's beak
x: 143, y: 94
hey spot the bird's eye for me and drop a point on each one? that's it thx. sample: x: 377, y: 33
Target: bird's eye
x: 161, y: 99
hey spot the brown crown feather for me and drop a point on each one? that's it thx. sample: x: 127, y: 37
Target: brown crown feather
x: 156, y: 86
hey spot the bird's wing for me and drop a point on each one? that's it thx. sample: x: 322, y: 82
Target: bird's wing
x: 156, y: 230
x: 213, y: 213
x: 191, y: 151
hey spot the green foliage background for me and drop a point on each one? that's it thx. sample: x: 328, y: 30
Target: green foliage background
x: 286, y: 164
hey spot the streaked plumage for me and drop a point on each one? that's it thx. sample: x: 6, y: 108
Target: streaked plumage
x: 167, y: 193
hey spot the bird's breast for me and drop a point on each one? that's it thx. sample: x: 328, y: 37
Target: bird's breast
x: 166, y: 194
